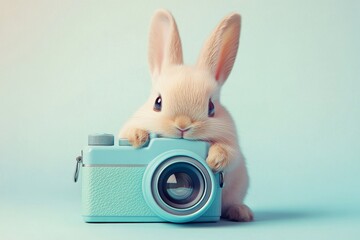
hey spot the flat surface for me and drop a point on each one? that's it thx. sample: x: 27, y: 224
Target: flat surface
x: 63, y: 221
x: 71, y: 68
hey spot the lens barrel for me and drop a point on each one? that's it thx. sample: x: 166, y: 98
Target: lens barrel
x: 178, y: 186
x: 181, y: 185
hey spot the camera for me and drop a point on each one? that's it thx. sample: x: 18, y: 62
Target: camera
x: 167, y: 180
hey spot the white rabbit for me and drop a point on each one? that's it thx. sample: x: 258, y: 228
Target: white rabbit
x: 185, y: 103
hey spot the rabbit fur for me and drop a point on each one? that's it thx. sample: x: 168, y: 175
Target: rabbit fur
x: 186, y: 92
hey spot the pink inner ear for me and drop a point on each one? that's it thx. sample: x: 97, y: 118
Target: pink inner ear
x: 226, y: 56
x: 165, y: 45
x: 161, y: 39
x: 219, y: 70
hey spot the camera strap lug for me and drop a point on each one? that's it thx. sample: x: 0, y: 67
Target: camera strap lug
x: 221, y: 179
x: 79, y: 160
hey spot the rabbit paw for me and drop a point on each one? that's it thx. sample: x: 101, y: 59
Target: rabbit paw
x: 239, y: 213
x: 138, y: 137
x: 218, y: 157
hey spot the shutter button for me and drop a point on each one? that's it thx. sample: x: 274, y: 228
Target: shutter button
x: 101, y: 140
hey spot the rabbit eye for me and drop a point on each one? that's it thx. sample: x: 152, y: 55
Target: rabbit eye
x: 157, y: 105
x: 211, y: 111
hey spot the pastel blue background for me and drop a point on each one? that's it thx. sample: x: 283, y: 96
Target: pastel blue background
x: 69, y: 68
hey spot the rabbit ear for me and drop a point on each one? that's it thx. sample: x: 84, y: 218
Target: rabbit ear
x: 164, y: 43
x: 219, y: 52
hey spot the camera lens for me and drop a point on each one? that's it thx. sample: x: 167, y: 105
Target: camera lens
x: 181, y: 185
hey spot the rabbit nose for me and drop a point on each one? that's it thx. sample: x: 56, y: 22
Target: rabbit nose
x: 182, y: 123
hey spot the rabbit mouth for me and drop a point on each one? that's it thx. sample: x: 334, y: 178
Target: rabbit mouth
x: 186, y: 135
x: 183, y: 131
x: 186, y: 131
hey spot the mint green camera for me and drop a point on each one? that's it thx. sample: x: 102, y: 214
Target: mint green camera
x: 166, y: 180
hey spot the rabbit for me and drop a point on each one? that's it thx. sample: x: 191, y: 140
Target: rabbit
x: 185, y: 103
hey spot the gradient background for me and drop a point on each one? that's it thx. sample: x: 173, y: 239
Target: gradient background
x: 70, y: 68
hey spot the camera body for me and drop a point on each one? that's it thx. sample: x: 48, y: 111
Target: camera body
x: 167, y: 180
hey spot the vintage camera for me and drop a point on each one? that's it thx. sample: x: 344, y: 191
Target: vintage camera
x: 166, y: 180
